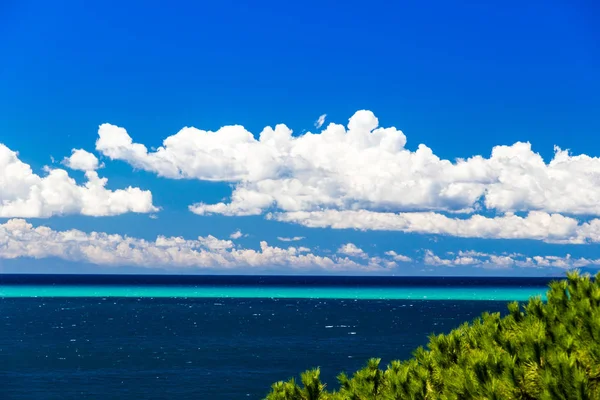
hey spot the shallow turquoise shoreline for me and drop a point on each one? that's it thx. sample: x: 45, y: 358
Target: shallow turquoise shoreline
x: 364, y: 293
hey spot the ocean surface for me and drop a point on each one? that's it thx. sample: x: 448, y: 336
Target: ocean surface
x: 157, y: 337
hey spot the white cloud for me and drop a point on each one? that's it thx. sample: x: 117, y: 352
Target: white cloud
x: 398, y: 257
x: 230, y: 154
x: 350, y: 249
x: 320, y: 121
x: 461, y: 260
x: 432, y: 259
x: 81, y: 160
x: 290, y: 239
x: 212, y: 243
x: 537, y: 225
x: 507, y: 260
x: 244, y: 203
x: 26, y: 194
x: 361, y: 167
x: 236, y: 235
x: 365, y: 173
x: 18, y: 238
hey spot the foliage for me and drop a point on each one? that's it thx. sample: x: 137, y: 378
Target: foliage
x: 542, y: 350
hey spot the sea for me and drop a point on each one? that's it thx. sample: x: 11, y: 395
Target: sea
x: 220, y: 337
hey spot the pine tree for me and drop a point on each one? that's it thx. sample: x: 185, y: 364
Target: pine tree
x: 542, y: 350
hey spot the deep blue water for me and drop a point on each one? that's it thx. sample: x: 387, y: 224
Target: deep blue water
x: 202, y: 348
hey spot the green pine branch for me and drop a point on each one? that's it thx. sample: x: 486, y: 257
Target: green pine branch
x: 542, y: 350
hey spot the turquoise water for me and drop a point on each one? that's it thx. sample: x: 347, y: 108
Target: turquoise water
x: 359, y: 293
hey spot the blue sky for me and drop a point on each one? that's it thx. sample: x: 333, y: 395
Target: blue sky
x: 457, y: 77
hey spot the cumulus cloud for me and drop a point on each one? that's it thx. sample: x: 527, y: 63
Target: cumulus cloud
x: 236, y: 235
x: 212, y: 243
x: 362, y: 166
x: 26, y: 194
x: 537, y: 225
x: 364, y: 171
x: 320, y: 121
x: 290, y: 239
x: 18, y: 238
x: 81, y: 160
x: 350, y: 249
x: 398, y: 257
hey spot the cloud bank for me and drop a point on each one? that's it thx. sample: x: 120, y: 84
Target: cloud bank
x: 537, y: 225
x: 367, y: 168
x: 496, y: 261
x: 18, y: 238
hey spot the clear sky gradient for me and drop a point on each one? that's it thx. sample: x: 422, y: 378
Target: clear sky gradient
x: 459, y: 77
